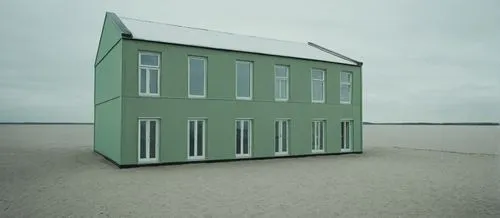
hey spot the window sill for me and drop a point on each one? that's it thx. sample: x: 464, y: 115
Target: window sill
x: 318, y: 102
x: 318, y: 151
x: 243, y: 98
x: 197, y: 96
x: 345, y: 150
x: 149, y: 95
x: 345, y: 103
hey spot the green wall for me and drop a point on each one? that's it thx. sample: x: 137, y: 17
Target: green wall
x: 220, y: 107
x: 109, y: 75
x: 107, y: 94
x: 107, y: 129
x: 110, y: 35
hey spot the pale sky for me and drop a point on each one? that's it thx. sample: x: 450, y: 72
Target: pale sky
x: 424, y: 60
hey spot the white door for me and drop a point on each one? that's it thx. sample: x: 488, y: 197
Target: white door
x: 148, y: 139
x: 318, y: 136
x: 243, y: 138
x: 346, y: 136
x: 196, y: 139
x: 281, y: 137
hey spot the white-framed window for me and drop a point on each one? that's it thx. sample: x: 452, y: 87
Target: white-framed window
x: 318, y: 135
x: 244, y: 80
x: 243, y: 137
x: 196, y: 139
x: 148, y: 140
x: 318, y: 86
x: 345, y: 87
x: 281, y: 82
x: 346, y: 136
x: 149, y: 74
x: 197, y: 77
x: 281, y: 136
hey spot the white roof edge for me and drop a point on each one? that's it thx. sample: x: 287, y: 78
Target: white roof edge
x: 200, y: 37
x: 335, y: 53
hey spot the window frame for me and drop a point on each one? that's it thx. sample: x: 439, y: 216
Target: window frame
x: 287, y: 121
x: 287, y: 78
x: 204, y: 123
x: 323, y: 74
x: 148, y: 160
x: 349, y: 83
x: 141, y: 66
x: 315, y: 144
x: 236, y: 80
x: 350, y: 138
x: 204, y: 59
x: 250, y: 137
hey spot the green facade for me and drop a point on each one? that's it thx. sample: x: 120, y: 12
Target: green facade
x: 119, y: 106
x: 108, y: 92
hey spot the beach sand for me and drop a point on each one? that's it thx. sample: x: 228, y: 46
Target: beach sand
x: 51, y: 171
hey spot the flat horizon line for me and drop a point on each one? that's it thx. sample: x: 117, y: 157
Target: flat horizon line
x: 364, y: 123
x: 435, y: 123
x: 50, y: 123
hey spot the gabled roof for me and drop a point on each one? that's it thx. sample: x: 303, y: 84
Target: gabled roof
x: 175, y: 34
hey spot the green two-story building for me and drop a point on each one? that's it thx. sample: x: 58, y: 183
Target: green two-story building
x: 170, y: 94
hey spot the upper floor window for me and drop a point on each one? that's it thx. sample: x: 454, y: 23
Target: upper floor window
x: 281, y: 83
x: 317, y: 86
x: 345, y: 87
x: 244, y: 80
x: 197, y: 70
x: 149, y: 74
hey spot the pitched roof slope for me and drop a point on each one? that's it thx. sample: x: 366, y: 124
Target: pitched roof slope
x: 168, y: 33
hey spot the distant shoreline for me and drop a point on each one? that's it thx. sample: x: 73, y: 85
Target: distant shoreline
x: 434, y: 124
x: 43, y: 123
x: 364, y: 123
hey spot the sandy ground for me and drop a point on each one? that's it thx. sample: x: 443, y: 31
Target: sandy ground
x: 50, y: 171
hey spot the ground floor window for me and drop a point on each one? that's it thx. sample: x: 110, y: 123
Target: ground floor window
x: 243, y: 137
x: 148, y: 139
x: 281, y: 133
x: 318, y: 136
x: 346, y: 136
x: 196, y: 139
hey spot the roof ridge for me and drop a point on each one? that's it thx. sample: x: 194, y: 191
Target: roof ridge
x: 210, y: 30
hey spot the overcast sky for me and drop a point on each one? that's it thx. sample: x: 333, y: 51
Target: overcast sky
x: 425, y: 60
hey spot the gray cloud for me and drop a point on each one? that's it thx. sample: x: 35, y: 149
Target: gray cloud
x: 424, y: 60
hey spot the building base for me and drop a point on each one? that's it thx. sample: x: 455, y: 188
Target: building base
x: 221, y: 160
